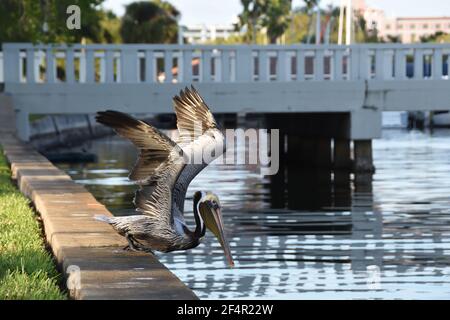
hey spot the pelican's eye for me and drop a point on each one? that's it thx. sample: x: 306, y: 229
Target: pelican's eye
x: 214, y: 204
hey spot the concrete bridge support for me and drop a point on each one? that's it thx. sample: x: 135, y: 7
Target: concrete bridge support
x: 363, y: 159
x: 342, y: 154
x: 324, y: 140
x: 365, y: 125
x: 317, y: 155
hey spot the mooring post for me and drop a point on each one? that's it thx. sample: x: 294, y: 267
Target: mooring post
x: 363, y: 160
x: 23, y: 125
x: 342, y: 154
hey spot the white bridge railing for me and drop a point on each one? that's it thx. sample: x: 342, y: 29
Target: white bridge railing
x: 28, y: 63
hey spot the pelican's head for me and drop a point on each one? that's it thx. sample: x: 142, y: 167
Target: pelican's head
x: 209, y: 208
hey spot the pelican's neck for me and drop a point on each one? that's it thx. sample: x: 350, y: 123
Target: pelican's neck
x: 199, y: 223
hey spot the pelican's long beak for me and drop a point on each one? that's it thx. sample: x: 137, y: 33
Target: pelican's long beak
x: 217, y: 214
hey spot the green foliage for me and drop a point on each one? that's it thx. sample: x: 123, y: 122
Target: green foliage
x: 300, y: 28
x: 362, y: 35
x: 232, y: 39
x: 19, y: 285
x: 311, y: 4
x: 110, y: 25
x: 273, y: 15
x: 438, y: 37
x: 393, y: 39
x: 297, y: 30
x: 309, y: 7
x: 250, y: 19
x: 30, y: 15
x: 149, y: 22
x: 27, y: 270
x: 90, y: 21
x: 27, y: 14
x: 277, y: 18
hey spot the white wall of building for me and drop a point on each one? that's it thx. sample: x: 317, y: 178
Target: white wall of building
x: 205, y: 33
x: 409, y: 29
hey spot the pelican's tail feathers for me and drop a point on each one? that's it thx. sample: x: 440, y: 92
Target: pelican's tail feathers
x: 102, y: 218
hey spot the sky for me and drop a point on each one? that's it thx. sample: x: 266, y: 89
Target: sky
x: 225, y: 11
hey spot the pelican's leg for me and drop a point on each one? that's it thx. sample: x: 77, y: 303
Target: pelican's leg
x: 148, y: 250
x: 131, y: 246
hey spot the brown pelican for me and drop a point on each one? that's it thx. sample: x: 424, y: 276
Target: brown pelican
x: 163, y: 172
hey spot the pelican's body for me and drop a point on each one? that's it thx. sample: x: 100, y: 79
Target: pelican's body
x: 163, y: 172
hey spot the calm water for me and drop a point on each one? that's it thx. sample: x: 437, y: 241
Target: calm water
x: 318, y: 235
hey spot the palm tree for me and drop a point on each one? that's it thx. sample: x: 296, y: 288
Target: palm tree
x: 150, y: 22
x: 274, y: 15
x: 310, y: 5
x: 277, y: 17
x: 250, y: 19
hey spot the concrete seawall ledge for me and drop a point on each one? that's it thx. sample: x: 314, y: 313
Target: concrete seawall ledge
x: 89, y: 252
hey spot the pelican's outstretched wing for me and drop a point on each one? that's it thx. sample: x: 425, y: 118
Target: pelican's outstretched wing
x: 153, y: 145
x: 197, y: 129
x: 157, y: 167
x: 193, y: 116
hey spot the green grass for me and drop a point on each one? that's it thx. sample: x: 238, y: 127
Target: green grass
x: 27, y: 270
x: 35, y: 117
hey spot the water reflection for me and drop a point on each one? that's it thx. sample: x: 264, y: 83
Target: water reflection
x: 313, y: 233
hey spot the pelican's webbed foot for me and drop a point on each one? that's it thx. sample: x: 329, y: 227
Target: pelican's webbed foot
x: 132, y: 246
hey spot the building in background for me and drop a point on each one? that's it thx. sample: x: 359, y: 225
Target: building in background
x: 408, y: 29
x: 206, y: 33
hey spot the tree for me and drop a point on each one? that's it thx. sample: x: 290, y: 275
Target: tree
x: 273, y: 15
x: 276, y: 18
x: 150, y: 22
x: 91, y: 15
x: 24, y: 20
x: 309, y: 6
x: 298, y: 31
x: 250, y: 19
x: 298, y: 27
x: 393, y: 39
x: 362, y: 33
x: 437, y: 37
x: 110, y: 24
x: 24, y: 13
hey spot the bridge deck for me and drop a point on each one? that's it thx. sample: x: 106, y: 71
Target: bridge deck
x: 362, y: 80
